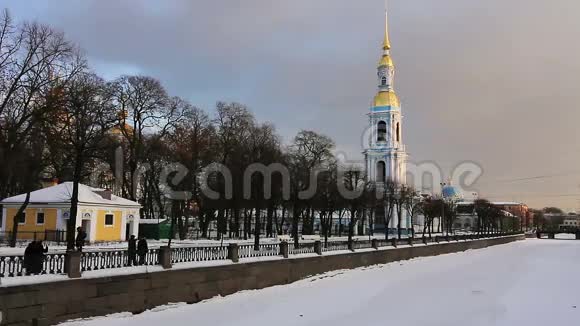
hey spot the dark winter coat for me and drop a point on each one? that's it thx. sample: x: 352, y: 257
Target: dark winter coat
x: 142, y: 247
x: 34, y: 257
x: 81, y: 236
x: 132, y: 246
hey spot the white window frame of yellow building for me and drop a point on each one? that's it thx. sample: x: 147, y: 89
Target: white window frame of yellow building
x: 22, y: 223
x: 105, y: 221
x: 40, y: 211
x: 3, y: 225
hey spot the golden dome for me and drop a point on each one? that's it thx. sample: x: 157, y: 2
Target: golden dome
x: 386, y: 61
x: 122, y: 128
x: 386, y: 98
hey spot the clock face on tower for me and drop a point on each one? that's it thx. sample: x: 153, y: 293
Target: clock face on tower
x: 382, y: 73
x: 389, y: 73
x: 385, y: 76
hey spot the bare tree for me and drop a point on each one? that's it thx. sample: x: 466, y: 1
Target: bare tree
x: 431, y: 210
x: 413, y: 205
x: 144, y: 108
x: 307, y: 155
x: 192, y: 143
x: 327, y: 199
x: 389, y: 193
x: 34, y: 59
x: 355, y: 182
x: 485, y: 211
x: 263, y: 146
x: 402, y: 195
x: 85, y: 117
x: 233, y: 124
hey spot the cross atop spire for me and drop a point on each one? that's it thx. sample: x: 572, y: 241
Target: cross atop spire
x: 386, y: 42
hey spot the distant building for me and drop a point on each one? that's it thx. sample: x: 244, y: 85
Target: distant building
x: 103, y: 216
x: 467, y: 220
x: 570, y: 221
x: 519, y: 210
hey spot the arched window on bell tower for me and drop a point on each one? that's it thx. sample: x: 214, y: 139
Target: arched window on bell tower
x: 384, y: 81
x: 382, y: 131
x: 381, y: 171
x: 398, y: 132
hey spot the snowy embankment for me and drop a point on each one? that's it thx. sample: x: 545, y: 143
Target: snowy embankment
x: 532, y: 282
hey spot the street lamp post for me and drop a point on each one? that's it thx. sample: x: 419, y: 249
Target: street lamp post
x: 397, y: 209
x: 443, y: 184
x: 385, y: 218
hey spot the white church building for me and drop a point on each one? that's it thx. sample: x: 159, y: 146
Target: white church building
x: 385, y: 153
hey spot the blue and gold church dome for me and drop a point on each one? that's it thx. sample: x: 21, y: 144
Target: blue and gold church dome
x: 451, y: 192
x: 386, y: 98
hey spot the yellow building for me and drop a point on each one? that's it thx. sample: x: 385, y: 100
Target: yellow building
x: 103, y: 216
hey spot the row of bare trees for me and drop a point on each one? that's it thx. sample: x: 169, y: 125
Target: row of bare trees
x: 60, y: 120
x: 440, y: 215
x: 36, y: 64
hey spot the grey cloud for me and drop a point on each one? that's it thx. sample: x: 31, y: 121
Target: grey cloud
x: 491, y: 81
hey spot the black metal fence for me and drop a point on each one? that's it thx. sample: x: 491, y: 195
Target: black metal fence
x: 361, y: 244
x: 302, y: 248
x: 383, y: 243
x: 335, y: 246
x: 53, y: 236
x: 109, y: 259
x: 192, y: 254
x: 270, y: 249
x: 13, y: 265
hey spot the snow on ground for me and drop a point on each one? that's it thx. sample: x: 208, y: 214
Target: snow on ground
x: 566, y: 236
x: 532, y: 282
x: 29, y: 280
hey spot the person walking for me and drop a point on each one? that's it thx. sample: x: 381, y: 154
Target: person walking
x: 34, y: 257
x: 40, y: 254
x: 28, y: 253
x: 142, y: 250
x: 132, y: 251
x: 80, y: 239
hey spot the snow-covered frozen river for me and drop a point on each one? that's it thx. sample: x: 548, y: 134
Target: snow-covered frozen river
x: 532, y: 282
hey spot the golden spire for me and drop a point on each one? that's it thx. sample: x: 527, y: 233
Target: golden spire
x: 386, y: 42
x: 386, y: 95
x: 386, y: 58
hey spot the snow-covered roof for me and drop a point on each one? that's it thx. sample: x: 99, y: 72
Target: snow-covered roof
x: 61, y: 194
x: 506, y: 213
x: 506, y: 203
x: 152, y: 221
x: 497, y: 203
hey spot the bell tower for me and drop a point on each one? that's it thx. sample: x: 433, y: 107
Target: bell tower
x: 385, y: 154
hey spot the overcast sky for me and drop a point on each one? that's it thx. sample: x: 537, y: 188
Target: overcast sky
x: 491, y: 81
